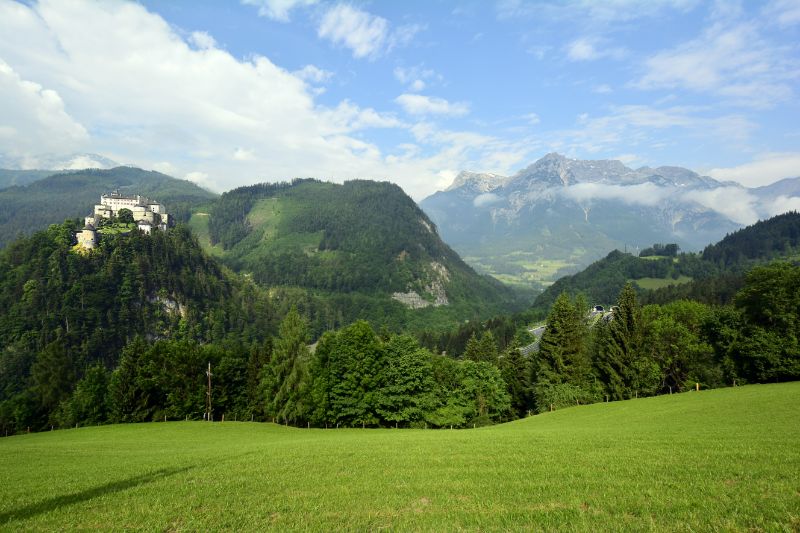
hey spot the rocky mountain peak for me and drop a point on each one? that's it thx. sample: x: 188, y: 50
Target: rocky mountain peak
x: 477, y: 182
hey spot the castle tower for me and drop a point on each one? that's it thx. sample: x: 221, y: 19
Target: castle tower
x: 88, y: 237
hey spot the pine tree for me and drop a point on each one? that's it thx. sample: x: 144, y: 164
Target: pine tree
x: 561, y: 368
x: 285, y: 377
x: 515, y: 370
x: 623, y: 366
x: 484, y: 349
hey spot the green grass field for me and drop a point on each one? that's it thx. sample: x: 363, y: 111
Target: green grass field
x: 721, y: 460
x: 658, y: 283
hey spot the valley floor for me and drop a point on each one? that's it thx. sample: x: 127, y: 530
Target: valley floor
x: 725, y: 459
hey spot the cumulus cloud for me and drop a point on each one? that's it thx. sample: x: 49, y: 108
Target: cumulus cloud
x: 33, y: 118
x: 365, y: 34
x: 313, y: 74
x: 202, y: 40
x: 116, y: 79
x: 278, y: 9
x: 417, y: 104
x: 766, y: 169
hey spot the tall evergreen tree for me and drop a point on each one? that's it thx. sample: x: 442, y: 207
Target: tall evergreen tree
x: 561, y: 369
x: 285, y: 377
x: 515, y: 370
x: 484, y: 349
x: 356, y: 372
x: 407, y: 393
x: 622, y: 365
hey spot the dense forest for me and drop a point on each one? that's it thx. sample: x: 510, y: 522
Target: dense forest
x: 25, y: 209
x: 126, y: 332
x: 714, y: 276
x: 65, y: 312
x: 350, y: 247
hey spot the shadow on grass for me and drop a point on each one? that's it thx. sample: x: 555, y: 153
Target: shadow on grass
x: 45, y: 506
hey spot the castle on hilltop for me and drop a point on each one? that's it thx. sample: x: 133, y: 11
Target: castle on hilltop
x: 147, y: 214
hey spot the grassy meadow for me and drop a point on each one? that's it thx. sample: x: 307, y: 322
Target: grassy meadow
x: 725, y: 459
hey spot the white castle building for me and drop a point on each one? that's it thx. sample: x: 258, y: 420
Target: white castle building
x: 147, y: 214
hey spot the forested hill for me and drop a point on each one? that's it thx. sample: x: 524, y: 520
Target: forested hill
x: 363, y: 240
x: 777, y: 237
x: 26, y: 209
x: 64, y: 312
x: 712, y: 276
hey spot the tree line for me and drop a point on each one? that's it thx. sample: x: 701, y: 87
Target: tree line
x: 125, y: 334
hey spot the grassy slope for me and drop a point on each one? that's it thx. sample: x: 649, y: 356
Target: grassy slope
x: 722, y: 459
x: 657, y: 283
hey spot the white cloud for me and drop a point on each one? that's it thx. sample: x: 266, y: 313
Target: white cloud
x: 766, y: 169
x: 735, y: 203
x: 417, y: 104
x: 591, y: 49
x: 647, y: 194
x: 365, y: 34
x: 34, y: 119
x: 242, y: 154
x: 82, y: 161
x: 278, y: 9
x: 486, y: 199
x: 602, y: 89
x: 629, y: 126
x: 313, y: 74
x: 783, y: 204
x: 403, y: 35
x: 115, y: 79
x: 202, y: 40
x: 730, y: 60
x: 416, y: 77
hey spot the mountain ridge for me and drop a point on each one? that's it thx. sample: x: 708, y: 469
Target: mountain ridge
x: 563, y: 213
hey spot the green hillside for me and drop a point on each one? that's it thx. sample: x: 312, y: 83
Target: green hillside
x: 712, y: 276
x: 725, y: 459
x: 353, y: 248
x: 10, y: 177
x: 67, y: 318
x: 51, y: 200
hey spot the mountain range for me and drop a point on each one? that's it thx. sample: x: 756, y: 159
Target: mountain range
x: 559, y: 214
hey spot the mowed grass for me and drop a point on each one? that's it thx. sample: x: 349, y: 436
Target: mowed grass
x: 712, y: 460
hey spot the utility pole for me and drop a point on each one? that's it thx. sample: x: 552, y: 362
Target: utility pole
x: 208, y: 393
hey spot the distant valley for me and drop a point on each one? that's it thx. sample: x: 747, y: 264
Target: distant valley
x: 558, y: 215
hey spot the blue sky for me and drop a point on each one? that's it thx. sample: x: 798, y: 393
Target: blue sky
x: 228, y: 93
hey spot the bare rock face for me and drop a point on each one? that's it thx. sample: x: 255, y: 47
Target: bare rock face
x: 433, y: 289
